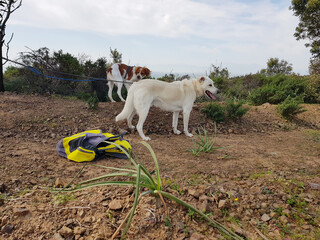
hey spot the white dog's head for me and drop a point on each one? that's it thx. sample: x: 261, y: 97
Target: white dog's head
x: 208, y: 87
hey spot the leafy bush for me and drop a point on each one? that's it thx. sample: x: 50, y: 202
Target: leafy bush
x: 277, y: 88
x: 290, y: 107
x: 312, y: 89
x: 93, y: 101
x: 235, y: 111
x: 215, y: 112
x: 239, y: 87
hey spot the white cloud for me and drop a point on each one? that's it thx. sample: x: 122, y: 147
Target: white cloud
x: 234, y: 31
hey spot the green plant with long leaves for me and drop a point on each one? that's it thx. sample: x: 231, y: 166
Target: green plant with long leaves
x: 140, y: 177
x: 204, y: 143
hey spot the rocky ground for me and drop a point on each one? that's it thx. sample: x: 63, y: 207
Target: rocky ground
x: 264, y: 182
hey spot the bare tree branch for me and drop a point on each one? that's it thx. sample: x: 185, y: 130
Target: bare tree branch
x: 8, y: 47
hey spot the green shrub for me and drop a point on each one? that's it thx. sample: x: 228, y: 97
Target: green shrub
x: 277, y: 88
x: 215, y: 112
x: 16, y: 84
x: 312, y: 89
x: 261, y: 95
x: 235, y: 111
x: 93, y: 101
x: 238, y: 87
x: 290, y: 107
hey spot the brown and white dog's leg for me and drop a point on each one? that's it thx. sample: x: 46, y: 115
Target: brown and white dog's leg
x: 110, y: 84
x: 119, y: 85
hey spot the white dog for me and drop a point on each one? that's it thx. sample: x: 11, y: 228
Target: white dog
x: 174, y: 97
x: 123, y: 74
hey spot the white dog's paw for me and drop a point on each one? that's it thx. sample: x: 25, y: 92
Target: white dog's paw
x: 132, y: 127
x: 176, y: 132
x: 146, y: 139
x: 189, y: 135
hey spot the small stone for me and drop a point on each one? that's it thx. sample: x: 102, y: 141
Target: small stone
x: 274, y: 214
x: 8, y: 228
x: 66, y: 232
x: 78, y: 230
x: 57, y: 236
x: 283, y: 219
x: 203, y: 198
x: 306, y: 227
x: 81, y: 213
x: 196, y: 236
x: 204, y: 206
x: 265, y: 217
x: 286, y: 212
x: 21, y: 212
x: 314, y: 186
x: 87, y: 220
x: 115, y: 204
x: 194, y: 193
x: 59, y: 183
x: 222, y: 204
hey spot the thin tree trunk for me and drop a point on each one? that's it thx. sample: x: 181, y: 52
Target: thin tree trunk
x: 1, y: 66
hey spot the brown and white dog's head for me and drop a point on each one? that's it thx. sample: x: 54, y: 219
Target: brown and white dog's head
x: 141, y: 72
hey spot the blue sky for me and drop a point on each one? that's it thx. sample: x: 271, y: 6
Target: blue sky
x: 167, y: 36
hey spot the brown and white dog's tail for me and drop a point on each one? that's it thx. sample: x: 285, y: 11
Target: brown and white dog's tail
x: 128, y: 108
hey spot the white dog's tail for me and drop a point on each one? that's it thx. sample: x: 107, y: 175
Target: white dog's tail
x: 128, y: 106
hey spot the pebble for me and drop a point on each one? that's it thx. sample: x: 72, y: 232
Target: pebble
x: 66, y: 232
x: 314, y: 186
x: 21, y: 212
x: 283, y: 219
x: 222, y: 203
x: 196, y: 236
x: 8, y: 228
x: 57, y: 236
x: 194, y: 193
x: 265, y: 217
x: 115, y: 204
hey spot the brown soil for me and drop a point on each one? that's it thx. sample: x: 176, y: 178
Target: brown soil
x: 264, y: 184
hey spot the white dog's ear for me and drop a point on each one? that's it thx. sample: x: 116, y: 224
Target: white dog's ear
x: 202, y: 79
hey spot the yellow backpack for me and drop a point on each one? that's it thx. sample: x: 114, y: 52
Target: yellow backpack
x: 91, y: 145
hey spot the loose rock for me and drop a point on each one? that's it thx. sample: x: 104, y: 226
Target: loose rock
x: 115, y: 204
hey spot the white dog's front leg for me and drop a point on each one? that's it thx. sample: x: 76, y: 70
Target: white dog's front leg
x: 186, y: 115
x: 175, y: 117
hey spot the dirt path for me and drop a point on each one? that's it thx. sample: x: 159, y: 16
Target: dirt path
x: 265, y: 179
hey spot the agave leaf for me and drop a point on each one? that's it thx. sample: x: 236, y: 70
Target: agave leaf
x: 159, y: 184
x: 135, y: 203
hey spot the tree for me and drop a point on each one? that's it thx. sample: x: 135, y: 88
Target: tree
x: 115, y: 55
x: 308, y: 28
x: 314, y: 67
x: 7, y: 7
x: 274, y: 66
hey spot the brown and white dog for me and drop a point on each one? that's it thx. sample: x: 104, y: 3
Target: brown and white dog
x: 120, y: 74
